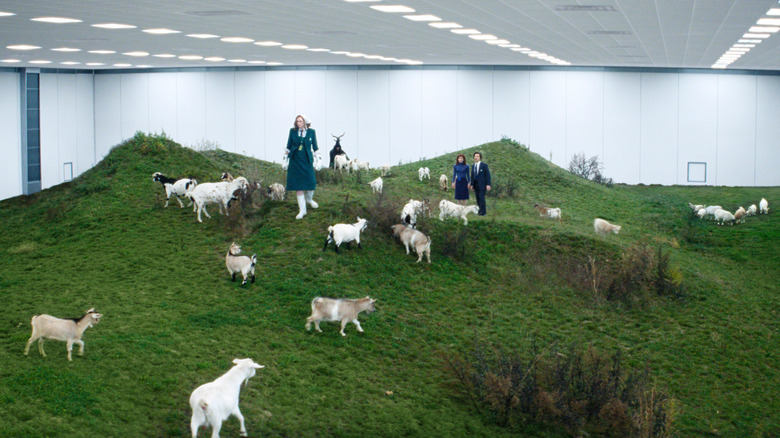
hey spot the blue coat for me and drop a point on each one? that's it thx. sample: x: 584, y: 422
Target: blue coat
x: 300, y: 172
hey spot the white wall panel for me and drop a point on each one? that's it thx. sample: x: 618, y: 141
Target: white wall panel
x: 768, y: 131
x: 622, y: 126
x: 584, y: 114
x: 191, y: 108
x: 311, y: 100
x: 697, y: 139
x: 67, y: 129
x: 548, y: 115
x: 373, y: 116
x: 135, y: 103
x: 85, y: 124
x: 405, y: 137
x: 475, y: 108
x: 49, y: 118
x: 10, y: 140
x: 250, y: 113
x: 342, y: 110
x: 221, y: 109
x: 439, y: 112
x: 108, y: 115
x: 162, y: 104
x: 736, y: 130
x: 658, y: 155
x: 279, y: 112
x: 511, y: 105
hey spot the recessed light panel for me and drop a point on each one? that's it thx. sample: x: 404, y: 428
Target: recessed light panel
x: 6, y: 14
x: 772, y: 12
x: 482, y: 37
x: 202, y: 36
x: 70, y: 63
x: 10, y: 61
x: 39, y: 61
x: 165, y: 55
x: 114, y: 26
x: 422, y: 17
x: 123, y: 65
x: 55, y: 20
x: 137, y: 54
x: 318, y: 50
x: 102, y: 52
x: 770, y: 29
x: 191, y: 57
x: 750, y: 41
x: 256, y: 62
x: 756, y: 35
x: 294, y: 47
x: 268, y: 43
x: 274, y: 63
x: 66, y: 49
x: 769, y: 21
x: 236, y: 40
x: 237, y: 60
x: 22, y: 47
x: 214, y: 59
x: 393, y: 9
x: 445, y: 25
x: 161, y: 31
x: 95, y: 63
x: 497, y: 42
x: 143, y: 66
x: 466, y: 31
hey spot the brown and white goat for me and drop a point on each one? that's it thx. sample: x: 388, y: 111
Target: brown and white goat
x: 240, y: 263
x: 414, y: 238
x: 344, y: 310
x: 68, y: 330
x: 552, y: 213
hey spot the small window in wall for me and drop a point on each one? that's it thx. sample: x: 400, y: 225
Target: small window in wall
x: 697, y: 172
x: 67, y: 171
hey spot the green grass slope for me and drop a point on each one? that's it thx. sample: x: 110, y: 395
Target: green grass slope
x: 173, y: 320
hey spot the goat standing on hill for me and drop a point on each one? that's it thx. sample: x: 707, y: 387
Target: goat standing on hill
x: 414, y: 208
x: 178, y: 188
x: 376, y: 185
x: 414, y: 238
x: 602, y: 227
x: 345, y: 233
x: 68, y: 330
x: 238, y: 264
x: 552, y: 213
x: 423, y: 172
x: 329, y: 309
x: 450, y: 209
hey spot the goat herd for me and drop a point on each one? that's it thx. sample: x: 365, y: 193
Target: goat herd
x: 213, y: 402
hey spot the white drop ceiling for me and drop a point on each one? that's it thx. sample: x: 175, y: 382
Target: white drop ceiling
x: 603, y: 33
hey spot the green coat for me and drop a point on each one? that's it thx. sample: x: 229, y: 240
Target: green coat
x: 300, y: 171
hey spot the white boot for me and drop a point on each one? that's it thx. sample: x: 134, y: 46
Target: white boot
x: 301, y: 207
x: 309, y: 200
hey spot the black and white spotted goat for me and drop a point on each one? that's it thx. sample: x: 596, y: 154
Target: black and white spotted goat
x: 177, y: 188
x: 240, y: 264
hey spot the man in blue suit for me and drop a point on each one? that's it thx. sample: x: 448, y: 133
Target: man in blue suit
x: 480, y: 181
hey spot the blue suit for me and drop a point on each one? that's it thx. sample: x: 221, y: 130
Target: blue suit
x: 480, y: 180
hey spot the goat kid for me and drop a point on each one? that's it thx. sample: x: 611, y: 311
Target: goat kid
x: 276, y: 192
x: 68, y: 330
x: 376, y: 185
x: 763, y: 206
x: 444, y: 182
x: 414, y: 208
x: 345, y: 233
x: 423, y: 172
x: 602, y: 227
x: 240, y: 264
x: 178, y: 188
x: 344, y: 310
x: 451, y: 209
x: 385, y: 169
x: 414, y: 238
x: 340, y: 162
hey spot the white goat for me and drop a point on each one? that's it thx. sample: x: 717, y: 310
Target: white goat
x: 214, y: 402
x: 276, y: 192
x: 414, y: 238
x: 763, y: 206
x: 340, y: 162
x: 751, y: 211
x: 344, y: 310
x: 412, y: 209
x: 701, y: 213
x: 376, y: 185
x: 356, y: 165
x: 345, y: 233
x: 238, y: 264
x: 68, y: 330
x: 423, y: 172
x: 711, y: 209
x: 220, y: 193
x: 552, y: 213
x: 385, y: 169
x: 226, y: 177
x: 451, y: 209
x: 723, y: 216
x: 603, y: 227
x: 177, y: 188
x: 695, y: 207
x: 444, y: 182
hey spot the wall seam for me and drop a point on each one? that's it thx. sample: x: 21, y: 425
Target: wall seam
x: 755, y: 137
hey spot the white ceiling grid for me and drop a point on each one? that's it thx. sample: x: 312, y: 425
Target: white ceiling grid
x: 609, y: 33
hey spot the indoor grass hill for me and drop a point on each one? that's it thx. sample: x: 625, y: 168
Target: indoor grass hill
x: 521, y: 325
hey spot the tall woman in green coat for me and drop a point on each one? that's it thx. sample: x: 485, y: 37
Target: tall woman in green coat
x: 301, y: 146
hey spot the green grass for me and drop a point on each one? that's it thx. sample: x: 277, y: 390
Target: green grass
x: 173, y: 320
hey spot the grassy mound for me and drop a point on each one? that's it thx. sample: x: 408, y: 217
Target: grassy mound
x: 173, y: 320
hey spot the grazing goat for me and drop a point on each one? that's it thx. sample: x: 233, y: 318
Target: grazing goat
x: 68, y: 330
x: 552, y: 213
x: 723, y: 216
x: 444, y: 182
x: 356, y: 165
x: 763, y: 206
x: 385, y: 170
x: 739, y: 215
x: 751, y: 211
x: 226, y: 177
x: 340, y: 162
x: 412, y: 209
x: 376, y: 185
x: 276, y: 192
x: 414, y: 238
x: 603, y: 227
x: 344, y: 310
x: 214, y: 402
x: 423, y: 172
x: 711, y: 209
x: 701, y: 213
x: 345, y: 233
x: 451, y: 209
x: 179, y: 188
x: 695, y: 207
x: 220, y: 193
x: 238, y: 264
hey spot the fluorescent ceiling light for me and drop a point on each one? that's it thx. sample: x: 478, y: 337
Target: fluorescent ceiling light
x: 770, y: 29
x: 750, y: 41
x: 756, y: 35
x: 360, y: 1
x: 22, y: 47
x: 356, y: 55
x: 422, y: 17
x: 256, y: 62
x: 274, y: 63
x: 70, y: 63
x: 214, y: 59
x: 114, y: 26
x: 387, y: 59
x: 771, y: 12
x: 496, y: 42
x: 95, y: 63
x: 744, y: 45
x: 202, y: 36
x: 6, y: 14
x: 161, y: 31
x: 318, y: 50
x: 339, y: 52
x: 445, y: 25
x: 66, y: 49
x: 718, y: 66
x: 102, y: 52
x: 511, y: 46
x: 55, y: 20
x: 165, y: 55
x: 374, y: 56
x: 268, y: 43
x: 236, y: 60
x: 137, y: 54
x: 123, y: 65
x: 483, y: 37
x: 393, y: 8
x: 143, y: 66
x: 294, y: 47
x: 769, y: 21
x: 191, y: 57
x: 739, y: 49
x: 465, y: 31
x: 414, y: 62
x: 236, y: 40
x: 39, y: 61
x: 10, y: 61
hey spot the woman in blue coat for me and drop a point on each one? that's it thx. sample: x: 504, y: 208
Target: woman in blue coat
x: 301, y: 146
x: 460, y: 179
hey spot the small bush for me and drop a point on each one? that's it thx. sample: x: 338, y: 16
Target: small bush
x: 589, y: 168
x: 381, y: 213
x: 504, y: 189
x: 453, y: 242
x: 579, y: 390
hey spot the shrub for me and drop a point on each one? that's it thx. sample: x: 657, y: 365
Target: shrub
x: 381, y: 213
x: 579, y: 390
x: 452, y: 242
x: 589, y: 168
